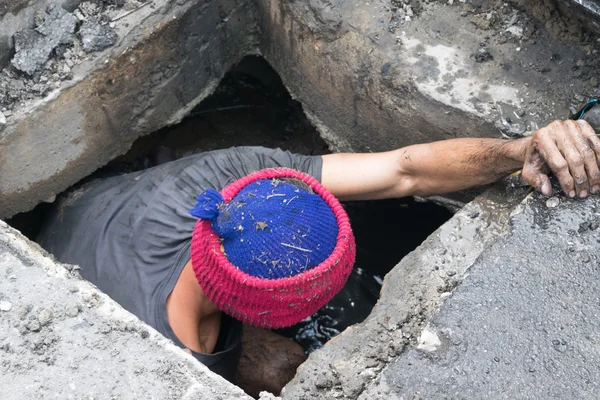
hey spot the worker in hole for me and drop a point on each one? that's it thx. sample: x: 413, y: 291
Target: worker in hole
x: 268, y: 246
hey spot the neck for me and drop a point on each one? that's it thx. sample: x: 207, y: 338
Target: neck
x: 195, y: 320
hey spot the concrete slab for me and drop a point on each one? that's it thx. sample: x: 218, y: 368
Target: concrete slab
x: 379, y: 75
x: 523, y: 323
x: 514, y: 314
x: 60, y: 337
x: 169, y: 57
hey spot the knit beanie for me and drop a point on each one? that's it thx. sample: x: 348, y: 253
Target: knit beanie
x: 269, y: 252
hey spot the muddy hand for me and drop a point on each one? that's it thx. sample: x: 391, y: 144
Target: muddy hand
x: 571, y: 151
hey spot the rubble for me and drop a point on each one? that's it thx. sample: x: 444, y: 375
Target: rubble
x: 59, y: 41
x: 5, y: 305
x: 34, y: 46
x: 96, y: 36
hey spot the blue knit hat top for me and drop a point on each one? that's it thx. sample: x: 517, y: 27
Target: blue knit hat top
x: 271, y: 229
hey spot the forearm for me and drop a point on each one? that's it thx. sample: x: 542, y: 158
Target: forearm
x: 456, y: 164
x: 569, y: 149
x: 423, y: 169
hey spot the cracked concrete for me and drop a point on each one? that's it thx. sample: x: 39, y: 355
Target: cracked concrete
x: 523, y: 323
x: 168, y: 58
x: 60, y: 337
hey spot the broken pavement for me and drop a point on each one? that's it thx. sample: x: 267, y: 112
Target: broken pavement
x: 500, y: 300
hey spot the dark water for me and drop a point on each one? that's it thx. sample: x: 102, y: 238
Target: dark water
x: 252, y: 107
x: 385, y: 231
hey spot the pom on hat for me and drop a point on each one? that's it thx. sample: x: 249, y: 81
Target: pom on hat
x: 208, y: 204
x: 271, y: 254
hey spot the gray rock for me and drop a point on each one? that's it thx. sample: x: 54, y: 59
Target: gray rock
x: 5, y: 305
x: 34, y: 47
x: 34, y: 325
x: 552, y: 202
x: 2, y: 119
x: 72, y: 309
x: 45, y: 317
x: 96, y: 36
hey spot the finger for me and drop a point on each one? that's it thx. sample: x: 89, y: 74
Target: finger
x: 558, y: 165
x: 535, y: 172
x: 589, y: 157
x: 545, y: 185
x: 593, y: 140
x: 590, y: 163
x: 574, y: 159
x: 538, y: 180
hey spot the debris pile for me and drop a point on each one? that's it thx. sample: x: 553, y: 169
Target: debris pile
x: 59, y: 41
x: 34, y: 46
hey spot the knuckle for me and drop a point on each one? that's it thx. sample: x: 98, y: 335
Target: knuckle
x: 589, y: 158
x: 583, y: 123
x: 576, y: 161
x: 558, y: 165
x: 580, y: 179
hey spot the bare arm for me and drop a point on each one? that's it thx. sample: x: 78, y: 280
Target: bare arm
x: 422, y: 169
x: 568, y: 149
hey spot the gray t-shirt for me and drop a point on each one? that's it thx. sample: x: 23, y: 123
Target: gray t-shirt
x: 131, y: 233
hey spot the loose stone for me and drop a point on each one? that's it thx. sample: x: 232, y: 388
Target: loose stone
x: 5, y: 305
x: 45, y: 317
x: 72, y: 309
x: 73, y: 289
x: 552, y: 202
x: 34, y: 325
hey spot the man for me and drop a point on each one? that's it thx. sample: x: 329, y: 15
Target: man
x: 132, y: 234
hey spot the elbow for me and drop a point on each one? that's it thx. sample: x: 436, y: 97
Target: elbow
x: 406, y: 183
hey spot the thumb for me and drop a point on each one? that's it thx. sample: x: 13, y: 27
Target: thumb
x: 545, y: 186
x: 535, y: 173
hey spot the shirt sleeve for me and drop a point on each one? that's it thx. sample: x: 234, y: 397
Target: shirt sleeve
x: 241, y: 161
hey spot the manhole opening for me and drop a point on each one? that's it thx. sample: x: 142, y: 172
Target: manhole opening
x: 252, y: 107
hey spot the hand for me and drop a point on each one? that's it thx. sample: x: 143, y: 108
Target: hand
x: 568, y: 149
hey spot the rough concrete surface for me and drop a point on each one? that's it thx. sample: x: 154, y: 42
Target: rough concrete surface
x: 590, y: 10
x: 60, y: 337
x: 523, y: 323
x: 500, y: 302
x: 170, y: 55
x: 399, y: 72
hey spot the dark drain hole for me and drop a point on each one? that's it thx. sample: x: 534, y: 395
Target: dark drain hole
x: 252, y: 107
